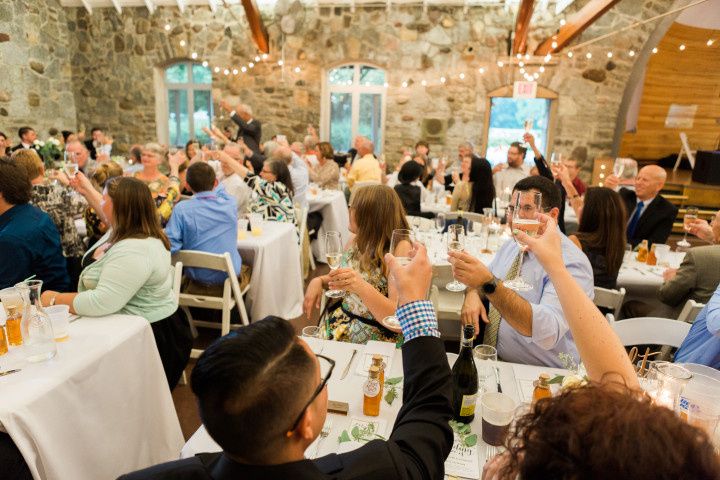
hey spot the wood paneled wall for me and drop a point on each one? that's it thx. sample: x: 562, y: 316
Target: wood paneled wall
x: 689, y: 77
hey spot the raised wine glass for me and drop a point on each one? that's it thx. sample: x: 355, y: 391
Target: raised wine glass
x: 618, y: 167
x: 334, y: 254
x: 528, y: 124
x: 691, y: 213
x: 527, y: 205
x: 401, y: 244
x: 455, y: 243
x: 70, y: 166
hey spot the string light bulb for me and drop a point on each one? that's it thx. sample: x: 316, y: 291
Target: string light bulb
x: 281, y: 63
x: 264, y: 56
x: 710, y: 42
x: 547, y: 58
x: 481, y: 70
x: 235, y: 71
x: 167, y: 27
x: 536, y: 75
x: 682, y: 47
x: 257, y: 58
x: 518, y: 56
x: 500, y: 63
x: 182, y: 43
x: 193, y: 55
x: 217, y: 69
x: 226, y: 71
x: 588, y: 55
x: 609, y: 55
x: 205, y: 64
x: 404, y: 84
x: 562, y: 22
x: 522, y: 71
x: 243, y: 69
x: 297, y: 69
x: 542, y: 69
x: 251, y: 65
x: 570, y: 54
x: 554, y: 45
x: 631, y: 53
x: 462, y: 76
x: 386, y: 84
x: 527, y: 56
x: 655, y: 50
x: 423, y: 83
x: 521, y: 64
x: 443, y: 80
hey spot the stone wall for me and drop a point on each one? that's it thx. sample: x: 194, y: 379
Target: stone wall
x: 35, y: 74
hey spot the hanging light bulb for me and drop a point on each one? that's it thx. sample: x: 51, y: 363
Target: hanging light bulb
x: 423, y: 83
x: 297, y: 69
x: 570, y: 54
x: 710, y: 42
x: 521, y: 64
x: 547, y: 58
x: 193, y: 55
x: 522, y: 71
x: 205, y: 64
x: 167, y: 27
x: 264, y: 56
x: 182, y: 43
x: 554, y: 45
x: 609, y: 54
x: 386, y: 84
x: 257, y: 58
x: 235, y: 71
x: 655, y: 50
x: 631, y: 53
x: 226, y: 71
x: 481, y: 70
x: 462, y: 76
x: 251, y: 65
x: 243, y: 69
x: 217, y: 69
x: 443, y: 79
x: 500, y: 63
x: 527, y: 56
x: 404, y: 84
x: 562, y: 22
x: 536, y: 75
x: 542, y: 69
x: 281, y: 63
x: 518, y: 56
x: 588, y: 55
x: 682, y: 47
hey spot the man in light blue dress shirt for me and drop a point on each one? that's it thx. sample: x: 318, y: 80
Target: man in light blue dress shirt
x: 532, y: 328
x: 207, y: 222
x: 702, y: 344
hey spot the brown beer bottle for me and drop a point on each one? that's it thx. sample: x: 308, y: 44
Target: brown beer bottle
x: 642, y: 251
x: 377, y: 361
x: 372, y: 393
x: 542, y: 388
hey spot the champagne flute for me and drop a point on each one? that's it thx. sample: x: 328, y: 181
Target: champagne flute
x: 527, y: 205
x: 555, y: 159
x: 333, y: 254
x: 528, y: 124
x: 691, y: 213
x: 70, y: 166
x: 618, y: 167
x: 456, y: 243
x: 401, y: 244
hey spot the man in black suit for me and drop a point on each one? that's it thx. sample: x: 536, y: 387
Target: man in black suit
x: 651, y: 216
x: 95, y: 142
x: 262, y: 398
x: 27, y: 137
x: 249, y: 129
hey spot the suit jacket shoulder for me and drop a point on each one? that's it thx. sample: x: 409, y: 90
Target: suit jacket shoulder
x: 193, y: 468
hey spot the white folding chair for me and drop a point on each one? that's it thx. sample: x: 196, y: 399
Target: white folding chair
x: 232, y: 295
x: 650, y: 331
x: 690, y: 311
x: 685, y: 149
x: 607, y: 298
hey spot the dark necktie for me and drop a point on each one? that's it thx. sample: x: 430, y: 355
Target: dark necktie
x: 632, y: 226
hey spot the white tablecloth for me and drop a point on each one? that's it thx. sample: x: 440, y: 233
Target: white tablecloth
x: 99, y: 409
x: 516, y: 381
x: 276, y: 284
x: 336, y: 218
x: 642, y: 281
x: 435, y: 207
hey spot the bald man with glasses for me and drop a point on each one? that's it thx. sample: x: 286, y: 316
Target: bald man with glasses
x: 262, y: 397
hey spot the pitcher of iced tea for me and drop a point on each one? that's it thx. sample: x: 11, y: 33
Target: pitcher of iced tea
x: 38, y: 335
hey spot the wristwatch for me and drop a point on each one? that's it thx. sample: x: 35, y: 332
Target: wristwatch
x: 488, y: 288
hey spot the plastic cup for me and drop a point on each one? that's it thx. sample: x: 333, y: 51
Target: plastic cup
x: 60, y: 320
x: 498, y: 411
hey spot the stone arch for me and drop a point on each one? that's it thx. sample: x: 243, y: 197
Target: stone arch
x: 637, y: 75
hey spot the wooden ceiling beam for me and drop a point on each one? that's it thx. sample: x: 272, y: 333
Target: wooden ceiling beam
x: 575, y: 25
x: 522, y: 26
x: 257, y: 28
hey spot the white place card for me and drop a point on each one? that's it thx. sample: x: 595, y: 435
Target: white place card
x: 463, y: 461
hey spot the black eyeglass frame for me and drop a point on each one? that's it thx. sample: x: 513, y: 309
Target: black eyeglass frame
x: 315, y: 394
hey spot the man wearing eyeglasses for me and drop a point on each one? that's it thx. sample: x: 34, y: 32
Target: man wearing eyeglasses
x: 262, y: 397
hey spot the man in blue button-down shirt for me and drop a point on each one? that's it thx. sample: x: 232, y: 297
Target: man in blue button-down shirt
x: 532, y: 328
x: 207, y: 222
x: 702, y: 344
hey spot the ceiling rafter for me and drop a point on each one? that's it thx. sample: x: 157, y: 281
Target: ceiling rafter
x: 257, y: 27
x: 522, y: 26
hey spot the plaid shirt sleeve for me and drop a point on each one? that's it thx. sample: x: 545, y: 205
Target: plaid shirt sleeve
x: 418, y: 319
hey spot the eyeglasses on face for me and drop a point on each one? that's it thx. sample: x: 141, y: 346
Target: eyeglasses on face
x: 319, y: 389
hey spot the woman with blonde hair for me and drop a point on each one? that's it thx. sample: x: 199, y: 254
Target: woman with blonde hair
x: 375, y: 211
x: 165, y: 190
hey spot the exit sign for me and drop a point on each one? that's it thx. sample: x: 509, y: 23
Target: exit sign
x: 525, y: 90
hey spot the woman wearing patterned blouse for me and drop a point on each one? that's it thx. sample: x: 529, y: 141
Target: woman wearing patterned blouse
x: 165, y: 190
x: 61, y: 203
x: 375, y: 211
x: 326, y: 174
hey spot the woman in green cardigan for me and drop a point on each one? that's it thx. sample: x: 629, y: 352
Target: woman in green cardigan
x: 129, y: 272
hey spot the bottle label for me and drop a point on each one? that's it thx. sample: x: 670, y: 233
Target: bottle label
x: 468, y: 405
x: 371, y: 388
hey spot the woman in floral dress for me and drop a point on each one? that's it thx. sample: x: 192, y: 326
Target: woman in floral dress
x: 375, y: 211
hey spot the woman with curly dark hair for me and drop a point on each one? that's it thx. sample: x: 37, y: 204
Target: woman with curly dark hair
x: 607, y: 430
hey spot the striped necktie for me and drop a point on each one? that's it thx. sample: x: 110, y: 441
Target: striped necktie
x: 493, y: 327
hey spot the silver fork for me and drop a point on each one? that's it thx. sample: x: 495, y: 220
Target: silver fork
x: 324, y: 433
x: 490, y: 452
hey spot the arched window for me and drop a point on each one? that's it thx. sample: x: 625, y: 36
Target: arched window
x: 354, y: 104
x: 189, y: 102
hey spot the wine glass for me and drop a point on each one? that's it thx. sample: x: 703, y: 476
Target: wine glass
x: 555, y: 159
x: 334, y: 254
x: 485, y: 360
x: 691, y: 213
x: 618, y: 167
x: 527, y: 205
x: 401, y: 244
x: 70, y: 166
x: 455, y: 243
x: 528, y: 124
